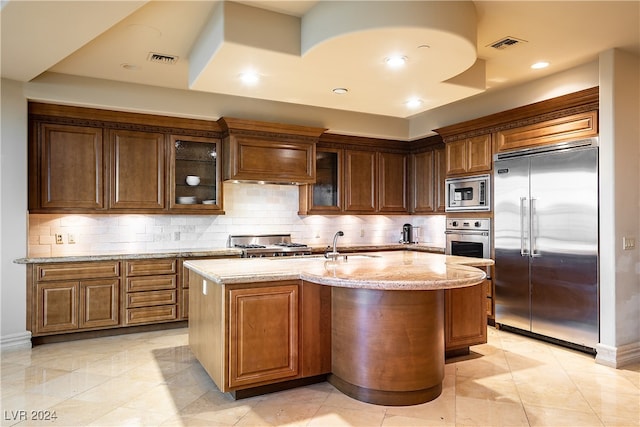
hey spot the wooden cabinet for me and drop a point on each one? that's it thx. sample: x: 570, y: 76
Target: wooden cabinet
x: 197, y: 158
x: 469, y: 155
x: 246, y: 335
x: 392, y: 182
x: 151, y: 293
x: 66, y: 167
x: 263, y: 334
x: 70, y: 297
x: 573, y: 127
x: 325, y: 196
x: 137, y: 170
x: 269, y: 152
x: 315, y: 329
x: 83, y: 160
x: 423, y: 172
x: 440, y: 173
x: 465, y: 317
x: 357, y: 182
x: 360, y: 181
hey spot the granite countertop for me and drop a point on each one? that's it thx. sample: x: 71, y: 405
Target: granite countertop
x: 207, y: 252
x: 393, y: 270
x: 105, y: 256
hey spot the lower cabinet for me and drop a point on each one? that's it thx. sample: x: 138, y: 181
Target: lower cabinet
x: 263, y: 333
x: 151, y: 291
x: 72, y: 297
x: 253, y: 334
x: 465, y: 317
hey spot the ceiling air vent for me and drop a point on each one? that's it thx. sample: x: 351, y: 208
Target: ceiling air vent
x: 506, y: 42
x: 162, y: 58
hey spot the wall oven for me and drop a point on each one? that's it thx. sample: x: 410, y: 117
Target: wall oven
x: 469, y: 237
x: 469, y: 193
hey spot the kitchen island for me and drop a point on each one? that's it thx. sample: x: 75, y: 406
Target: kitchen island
x: 373, y: 322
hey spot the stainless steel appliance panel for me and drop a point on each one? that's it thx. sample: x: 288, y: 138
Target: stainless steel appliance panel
x: 468, y: 194
x: 511, y: 236
x: 564, y: 246
x: 546, y: 244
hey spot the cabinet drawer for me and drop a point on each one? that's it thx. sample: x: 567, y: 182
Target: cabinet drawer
x: 151, y: 283
x: 150, y: 298
x: 151, y: 314
x: 151, y: 267
x: 84, y: 270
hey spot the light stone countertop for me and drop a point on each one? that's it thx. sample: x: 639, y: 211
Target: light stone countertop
x: 205, y: 252
x: 186, y: 253
x: 393, y: 270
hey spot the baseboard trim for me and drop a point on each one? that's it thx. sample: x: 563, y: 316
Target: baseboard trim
x: 617, y: 357
x: 17, y: 341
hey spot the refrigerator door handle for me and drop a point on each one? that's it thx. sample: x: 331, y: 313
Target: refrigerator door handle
x: 532, y: 211
x: 524, y: 225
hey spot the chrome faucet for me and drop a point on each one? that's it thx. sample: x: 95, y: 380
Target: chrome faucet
x: 334, y: 254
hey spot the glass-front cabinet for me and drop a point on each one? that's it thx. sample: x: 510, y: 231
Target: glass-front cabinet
x: 325, y: 196
x: 195, y: 174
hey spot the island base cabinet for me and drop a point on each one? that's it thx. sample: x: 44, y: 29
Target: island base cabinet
x: 465, y: 318
x: 263, y: 334
x: 388, y: 346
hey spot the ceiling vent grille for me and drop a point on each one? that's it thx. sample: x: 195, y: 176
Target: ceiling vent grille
x: 162, y: 58
x: 506, y: 42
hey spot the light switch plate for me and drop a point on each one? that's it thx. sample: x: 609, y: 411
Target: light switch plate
x: 628, y: 243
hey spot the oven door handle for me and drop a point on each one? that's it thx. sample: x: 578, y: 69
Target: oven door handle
x: 467, y: 233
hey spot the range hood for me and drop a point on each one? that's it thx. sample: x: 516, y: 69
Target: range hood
x: 273, y: 153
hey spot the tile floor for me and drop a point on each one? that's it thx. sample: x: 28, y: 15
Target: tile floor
x: 152, y: 379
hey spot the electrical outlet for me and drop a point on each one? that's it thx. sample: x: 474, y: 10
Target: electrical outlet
x: 71, y: 238
x: 628, y: 243
x: 59, y: 239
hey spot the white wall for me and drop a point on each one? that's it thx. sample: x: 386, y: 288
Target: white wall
x: 619, y: 207
x: 13, y: 207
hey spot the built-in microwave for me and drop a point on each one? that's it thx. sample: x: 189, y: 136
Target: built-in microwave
x: 469, y: 193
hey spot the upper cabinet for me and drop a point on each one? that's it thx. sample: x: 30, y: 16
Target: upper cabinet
x: 575, y: 126
x: 195, y: 173
x: 137, y: 170
x: 357, y: 176
x: 427, y: 173
x: 93, y: 161
x: 66, y: 167
x: 269, y: 152
x: 470, y: 155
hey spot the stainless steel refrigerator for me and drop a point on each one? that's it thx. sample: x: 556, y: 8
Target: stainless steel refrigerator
x: 546, y: 242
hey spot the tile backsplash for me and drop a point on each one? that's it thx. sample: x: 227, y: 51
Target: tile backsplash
x: 249, y: 209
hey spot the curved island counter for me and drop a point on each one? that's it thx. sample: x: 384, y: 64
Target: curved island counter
x: 256, y: 322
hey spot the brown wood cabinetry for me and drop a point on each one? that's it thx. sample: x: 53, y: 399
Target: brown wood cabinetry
x: 83, y: 160
x: 469, y: 155
x: 360, y: 194
x: 151, y: 293
x: 315, y: 329
x: 440, y: 173
x: 392, y: 182
x: 465, y: 317
x: 427, y: 169
x: 325, y: 196
x: 70, y: 297
x: 269, y: 152
x: 576, y: 126
x: 137, y: 170
x: 263, y: 334
x: 66, y: 166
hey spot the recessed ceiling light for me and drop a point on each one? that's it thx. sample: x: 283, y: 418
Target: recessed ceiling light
x: 249, y: 78
x: 413, y: 103
x: 539, y: 65
x: 395, y: 61
x: 340, y: 90
x: 129, y: 67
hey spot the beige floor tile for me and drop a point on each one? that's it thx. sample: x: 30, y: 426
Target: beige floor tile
x: 330, y: 416
x: 69, y: 385
x: 481, y: 412
x: 72, y: 412
x: 554, y: 417
x: 151, y: 379
x: 131, y: 417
